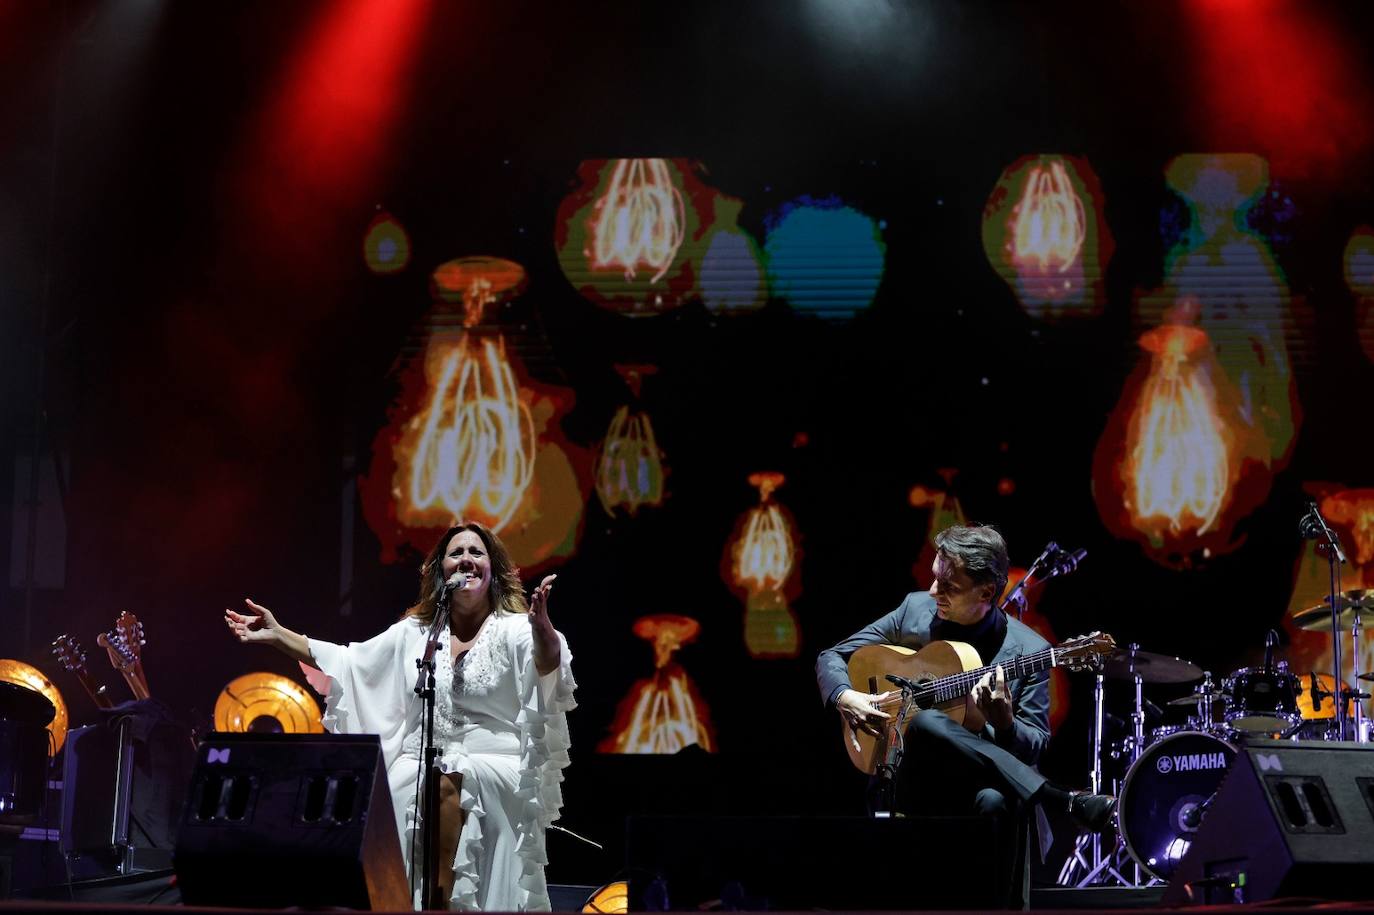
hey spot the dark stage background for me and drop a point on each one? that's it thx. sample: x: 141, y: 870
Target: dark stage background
x: 213, y: 376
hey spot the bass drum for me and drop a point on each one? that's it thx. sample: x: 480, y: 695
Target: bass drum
x: 1157, y: 812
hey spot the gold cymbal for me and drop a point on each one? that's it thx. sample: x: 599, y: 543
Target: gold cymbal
x: 21, y: 674
x: 1196, y: 698
x: 1125, y: 664
x: 1359, y: 601
x: 261, y: 701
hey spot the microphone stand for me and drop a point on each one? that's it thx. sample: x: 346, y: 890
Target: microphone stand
x: 1015, y: 595
x: 429, y: 760
x: 1313, y: 526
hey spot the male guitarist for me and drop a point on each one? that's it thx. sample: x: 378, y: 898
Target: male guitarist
x: 947, y: 769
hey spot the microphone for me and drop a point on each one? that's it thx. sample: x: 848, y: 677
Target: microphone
x: 1061, y: 562
x: 1192, y: 817
x: 1152, y: 710
x: 903, y: 682
x: 1315, y: 692
x: 1270, y: 641
x: 1313, y: 527
x: 456, y: 582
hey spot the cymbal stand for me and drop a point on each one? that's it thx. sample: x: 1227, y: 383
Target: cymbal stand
x: 1314, y: 527
x: 1358, y: 695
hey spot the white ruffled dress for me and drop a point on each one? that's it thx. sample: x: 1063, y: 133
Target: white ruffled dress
x: 496, y: 721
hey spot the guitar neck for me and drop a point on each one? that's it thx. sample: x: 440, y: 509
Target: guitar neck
x: 956, y: 686
x: 138, y: 684
x: 97, y: 691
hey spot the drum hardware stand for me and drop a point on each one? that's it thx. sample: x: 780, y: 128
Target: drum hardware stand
x: 1087, y: 852
x: 1314, y: 527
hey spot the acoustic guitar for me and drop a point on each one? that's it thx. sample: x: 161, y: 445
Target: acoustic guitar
x: 124, y: 644
x: 943, y: 675
x: 73, y: 658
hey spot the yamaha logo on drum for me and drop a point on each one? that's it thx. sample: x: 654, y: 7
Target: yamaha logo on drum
x: 1189, y: 761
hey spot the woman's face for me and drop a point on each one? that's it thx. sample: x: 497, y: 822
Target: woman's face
x: 468, y: 554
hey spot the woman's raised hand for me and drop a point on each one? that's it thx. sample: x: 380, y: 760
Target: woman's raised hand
x: 258, y: 626
x: 539, y: 605
x: 547, y: 652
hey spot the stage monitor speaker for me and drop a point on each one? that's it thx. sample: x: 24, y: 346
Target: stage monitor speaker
x: 1291, y: 818
x: 777, y: 863
x: 290, y: 820
x: 124, y: 783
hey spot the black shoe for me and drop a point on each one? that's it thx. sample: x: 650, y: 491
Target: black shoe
x: 1091, y: 812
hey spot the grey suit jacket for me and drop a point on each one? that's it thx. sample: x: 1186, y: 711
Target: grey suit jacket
x: 909, y: 625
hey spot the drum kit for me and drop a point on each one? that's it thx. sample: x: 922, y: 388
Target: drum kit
x: 1166, y: 777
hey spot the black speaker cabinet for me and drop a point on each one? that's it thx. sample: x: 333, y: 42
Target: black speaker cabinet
x: 811, y: 863
x: 290, y: 820
x: 1291, y: 818
x: 124, y: 783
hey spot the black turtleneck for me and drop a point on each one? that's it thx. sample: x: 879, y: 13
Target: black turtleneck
x: 986, y: 635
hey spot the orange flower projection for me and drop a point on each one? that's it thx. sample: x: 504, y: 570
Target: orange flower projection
x: 1178, y: 469
x: 629, y: 472
x: 640, y: 219
x: 1221, y: 277
x: 762, y: 555
x: 471, y: 451
x: 1043, y: 236
x: 663, y: 713
x: 1168, y: 470
x: 632, y: 234
x: 475, y: 283
x: 469, y: 437
x: 1351, y: 513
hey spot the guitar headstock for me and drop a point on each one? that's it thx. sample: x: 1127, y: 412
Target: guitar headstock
x: 69, y: 653
x: 124, y: 642
x: 73, y: 658
x: 130, y: 632
x: 1086, y: 652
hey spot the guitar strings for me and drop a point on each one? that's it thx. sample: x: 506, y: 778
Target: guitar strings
x: 956, y: 685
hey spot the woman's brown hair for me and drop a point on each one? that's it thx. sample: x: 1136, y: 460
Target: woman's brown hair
x: 506, y: 592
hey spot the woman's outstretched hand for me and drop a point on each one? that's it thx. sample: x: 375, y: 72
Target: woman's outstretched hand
x: 539, y: 605
x: 546, y: 648
x: 260, y: 626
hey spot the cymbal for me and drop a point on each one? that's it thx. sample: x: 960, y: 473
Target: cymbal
x: 1125, y: 664
x: 1358, y: 602
x: 263, y: 701
x: 1196, y: 697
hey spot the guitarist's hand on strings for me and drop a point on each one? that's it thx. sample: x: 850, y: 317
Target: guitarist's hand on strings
x: 993, y: 699
x: 865, y: 711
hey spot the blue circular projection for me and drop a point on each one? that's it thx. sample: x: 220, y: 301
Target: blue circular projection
x: 824, y: 257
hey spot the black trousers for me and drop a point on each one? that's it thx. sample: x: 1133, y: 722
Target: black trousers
x: 949, y: 771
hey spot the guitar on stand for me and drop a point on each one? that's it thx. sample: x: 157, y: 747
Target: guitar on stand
x: 72, y: 657
x: 124, y: 644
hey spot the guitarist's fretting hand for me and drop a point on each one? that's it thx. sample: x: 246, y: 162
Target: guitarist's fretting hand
x: 864, y: 711
x: 994, y: 700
